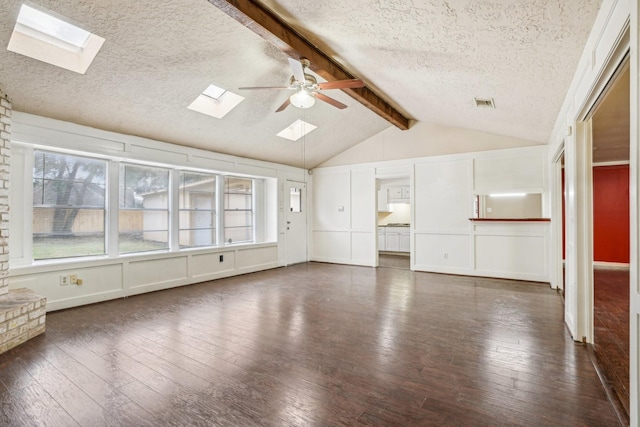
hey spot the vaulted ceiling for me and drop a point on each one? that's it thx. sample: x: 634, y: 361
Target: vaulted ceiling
x: 426, y: 58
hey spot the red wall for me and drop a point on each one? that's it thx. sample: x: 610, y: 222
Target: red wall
x: 611, y: 213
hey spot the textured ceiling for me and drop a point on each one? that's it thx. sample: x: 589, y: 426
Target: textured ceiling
x: 427, y: 58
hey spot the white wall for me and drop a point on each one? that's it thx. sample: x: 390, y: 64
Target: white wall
x: 423, y: 140
x: 443, y: 239
x: 114, y: 277
x: 615, y: 35
x: 344, y: 216
x: 607, y: 45
x: 400, y: 214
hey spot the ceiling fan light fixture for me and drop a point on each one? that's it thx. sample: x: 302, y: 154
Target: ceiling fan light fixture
x: 302, y: 99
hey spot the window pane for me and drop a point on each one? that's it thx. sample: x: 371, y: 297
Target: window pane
x: 238, y: 235
x: 65, y: 167
x: 65, y: 193
x: 197, y: 209
x: 143, y: 220
x: 238, y: 185
x: 193, y: 238
x: 85, y: 237
x: 295, y: 200
x: 143, y: 230
x: 197, y: 191
x: 68, y: 205
x: 138, y: 241
x: 142, y: 186
x: 237, y: 218
x: 238, y: 209
x: 237, y: 201
x: 196, y: 219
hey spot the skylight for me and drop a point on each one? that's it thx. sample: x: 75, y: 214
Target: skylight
x: 214, y: 92
x: 52, y: 26
x: 296, y: 130
x: 215, y: 101
x: 48, y: 38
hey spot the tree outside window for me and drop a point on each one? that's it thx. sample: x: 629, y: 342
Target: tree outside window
x: 68, y: 205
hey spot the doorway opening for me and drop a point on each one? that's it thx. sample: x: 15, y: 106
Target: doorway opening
x: 611, y: 232
x: 394, y: 222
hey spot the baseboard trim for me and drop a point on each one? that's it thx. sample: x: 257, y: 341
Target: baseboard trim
x: 603, y: 265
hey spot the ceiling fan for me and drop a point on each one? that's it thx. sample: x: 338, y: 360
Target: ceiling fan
x: 307, y: 88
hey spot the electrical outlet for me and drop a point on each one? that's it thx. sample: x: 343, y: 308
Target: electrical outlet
x: 73, y: 279
x: 221, y: 258
x: 64, y: 280
x: 445, y: 255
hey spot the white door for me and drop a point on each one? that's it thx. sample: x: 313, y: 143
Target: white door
x: 296, y: 222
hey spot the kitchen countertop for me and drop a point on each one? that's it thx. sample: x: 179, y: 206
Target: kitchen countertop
x: 393, y: 225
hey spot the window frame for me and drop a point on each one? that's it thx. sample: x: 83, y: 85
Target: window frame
x: 21, y: 255
x: 167, y: 209
x: 214, y: 227
x: 33, y: 152
x: 252, y: 211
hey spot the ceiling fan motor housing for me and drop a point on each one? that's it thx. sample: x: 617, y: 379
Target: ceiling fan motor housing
x: 309, y: 81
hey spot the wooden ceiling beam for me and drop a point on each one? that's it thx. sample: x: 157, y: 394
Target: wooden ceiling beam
x: 270, y: 27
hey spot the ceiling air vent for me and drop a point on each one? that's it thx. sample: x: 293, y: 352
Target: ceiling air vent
x: 485, y: 103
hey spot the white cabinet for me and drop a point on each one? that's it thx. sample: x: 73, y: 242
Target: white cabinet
x: 406, y: 193
x: 405, y: 240
x: 399, y: 194
x: 395, y: 193
x: 394, y: 239
x: 383, y: 205
x: 382, y: 241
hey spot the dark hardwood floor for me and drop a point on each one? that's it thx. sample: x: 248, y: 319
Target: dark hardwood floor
x: 611, y: 328
x: 394, y: 260
x: 311, y: 344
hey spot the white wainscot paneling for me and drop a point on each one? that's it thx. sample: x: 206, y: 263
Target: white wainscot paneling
x: 203, y: 265
x: 331, y: 200
x: 509, y: 173
x: 98, y: 283
x: 154, y: 272
x: 256, y: 258
x: 511, y: 256
x: 443, y: 200
x: 444, y: 253
x: 331, y: 246
x: 363, y: 202
x: 362, y: 248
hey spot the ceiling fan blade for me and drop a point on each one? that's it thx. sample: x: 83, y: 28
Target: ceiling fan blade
x: 263, y: 87
x: 331, y: 101
x: 284, y: 105
x: 298, y: 70
x: 342, y: 84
